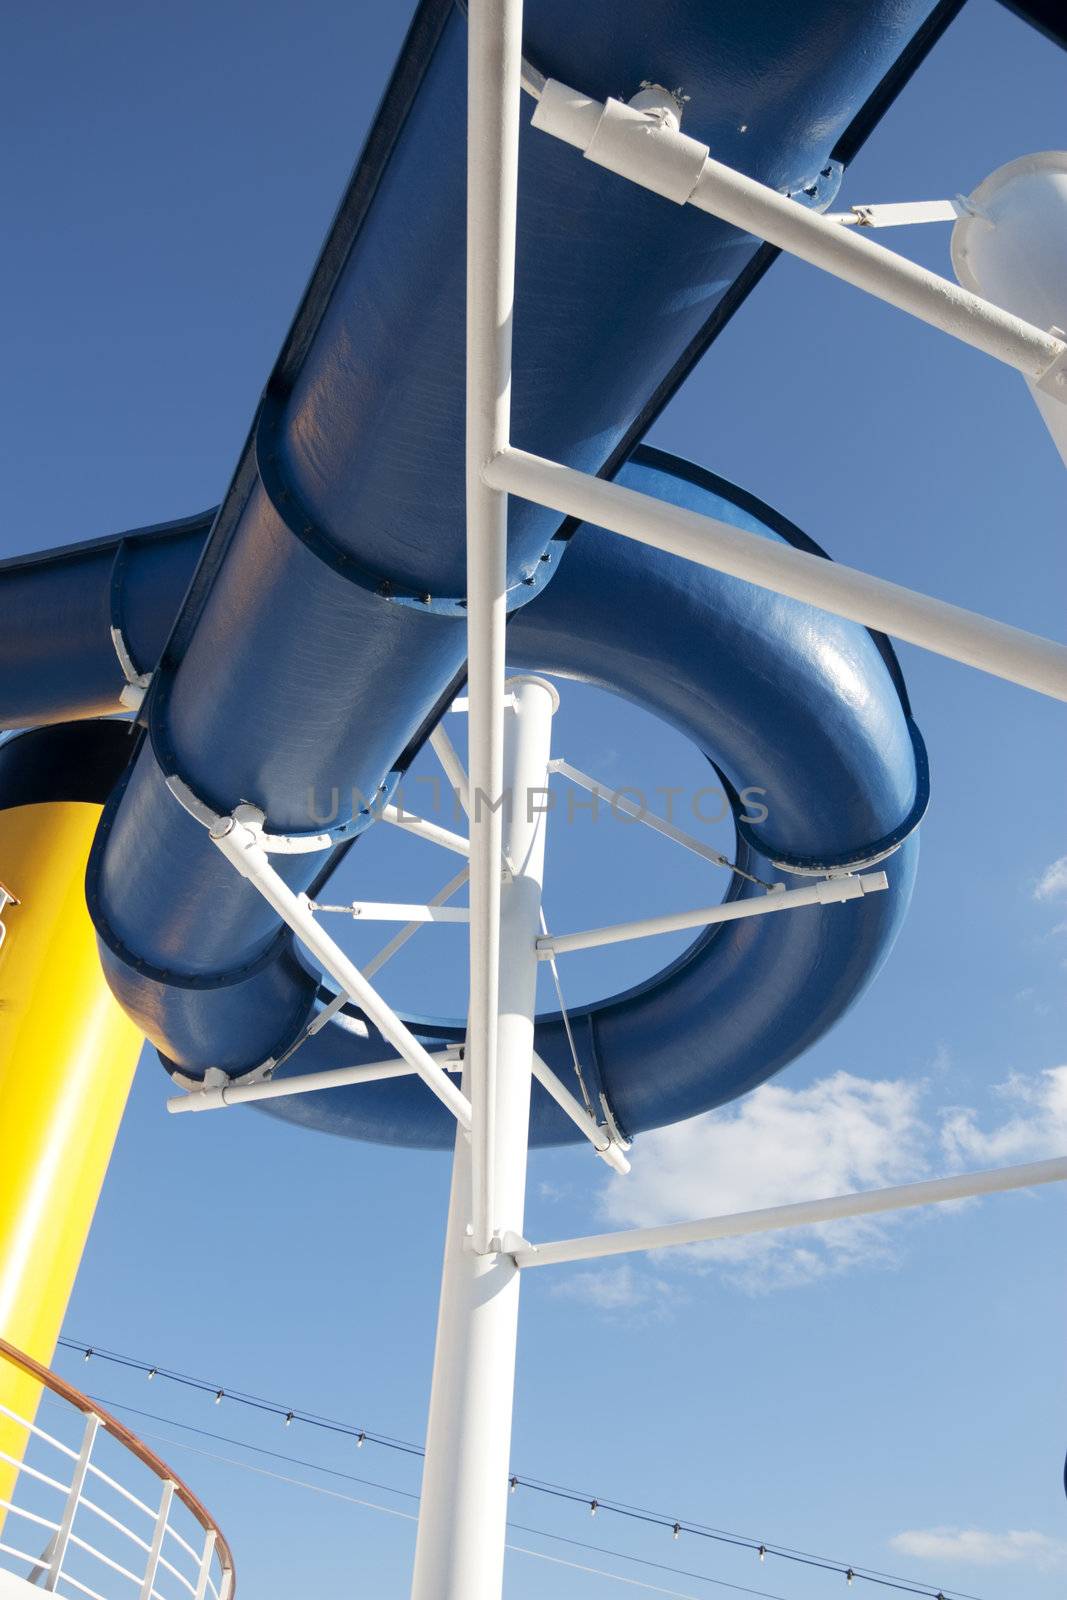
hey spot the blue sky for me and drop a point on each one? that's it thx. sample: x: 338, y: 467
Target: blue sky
x: 850, y: 1394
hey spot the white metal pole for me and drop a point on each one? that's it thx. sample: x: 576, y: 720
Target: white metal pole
x: 243, y: 1094
x: 758, y: 209
x: 644, y: 144
x: 459, y: 1554
x: 494, y: 66
x: 948, y: 630
x: 866, y: 1203
x: 827, y: 892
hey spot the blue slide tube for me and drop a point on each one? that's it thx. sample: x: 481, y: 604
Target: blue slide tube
x: 325, y: 626
x: 825, y: 731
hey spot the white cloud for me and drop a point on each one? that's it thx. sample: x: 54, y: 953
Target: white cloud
x: 613, y: 1289
x: 1036, y: 1126
x: 1052, y: 884
x: 780, y: 1144
x: 777, y: 1145
x: 980, y: 1548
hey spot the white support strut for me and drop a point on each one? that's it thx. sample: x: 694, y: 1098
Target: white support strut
x: 607, y: 1148
x: 452, y: 767
x: 826, y: 892
x: 948, y: 630
x: 395, y: 911
x: 643, y: 146
x: 494, y: 67
x: 432, y: 832
x: 243, y: 1094
x: 620, y: 803
x: 936, y: 1191
x: 240, y: 845
x: 400, y: 939
x: 221, y: 1096
x: 897, y: 214
x: 459, y: 1553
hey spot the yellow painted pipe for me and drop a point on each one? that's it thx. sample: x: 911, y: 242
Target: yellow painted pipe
x: 67, y: 1058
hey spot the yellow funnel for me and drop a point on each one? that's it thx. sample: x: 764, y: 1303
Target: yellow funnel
x: 67, y: 1050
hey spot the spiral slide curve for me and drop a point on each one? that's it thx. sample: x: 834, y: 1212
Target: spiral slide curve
x: 323, y: 632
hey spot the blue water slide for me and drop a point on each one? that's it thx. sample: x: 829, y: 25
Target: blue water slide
x: 324, y: 628
x: 809, y: 708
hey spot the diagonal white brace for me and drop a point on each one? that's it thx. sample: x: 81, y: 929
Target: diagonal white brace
x: 432, y: 832
x: 619, y: 802
x: 608, y: 1149
x: 241, y: 848
x: 452, y: 766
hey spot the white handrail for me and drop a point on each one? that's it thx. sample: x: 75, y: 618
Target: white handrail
x: 31, y: 1427
x: 69, y: 1547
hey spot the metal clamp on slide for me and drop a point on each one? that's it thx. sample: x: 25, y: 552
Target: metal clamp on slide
x: 641, y: 141
x: 288, y: 508
x: 251, y: 817
x: 137, y: 682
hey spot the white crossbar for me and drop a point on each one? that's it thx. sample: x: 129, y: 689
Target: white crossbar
x: 826, y: 892
x: 243, y: 1094
x: 866, y: 1203
x: 644, y: 147
x: 396, y: 911
x: 948, y: 630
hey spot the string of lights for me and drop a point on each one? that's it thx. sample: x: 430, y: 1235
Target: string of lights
x: 763, y: 1549
x: 408, y: 1494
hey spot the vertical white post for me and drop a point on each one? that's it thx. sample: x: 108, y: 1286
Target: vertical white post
x: 459, y: 1554
x: 148, y: 1582
x: 493, y: 74
x: 206, y: 1558
x: 61, y: 1539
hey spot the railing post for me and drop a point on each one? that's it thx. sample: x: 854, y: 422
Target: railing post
x: 77, y: 1483
x: 162, y: 1516
x: 205, y: 1564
